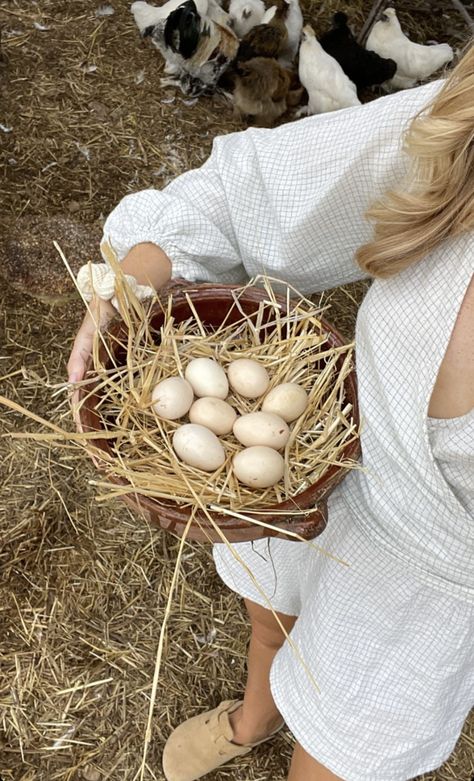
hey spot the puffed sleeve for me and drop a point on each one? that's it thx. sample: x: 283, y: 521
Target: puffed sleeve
x: 189, y: 219
x: 288, y: 202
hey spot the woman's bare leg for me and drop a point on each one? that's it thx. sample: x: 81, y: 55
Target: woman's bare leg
x: 258, y: 715
x: 305, y: 768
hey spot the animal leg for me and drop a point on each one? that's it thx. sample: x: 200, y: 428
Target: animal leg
x: 302, y: 112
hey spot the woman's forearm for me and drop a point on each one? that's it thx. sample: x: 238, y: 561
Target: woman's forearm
x: 148, y: 264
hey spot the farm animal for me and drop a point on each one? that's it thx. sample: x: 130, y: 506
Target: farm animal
x: 245, y: 14
x: 294, y: 26
x: 193, y: 37
x: 364, y: 68
x: 327, y: 85
x: 264, y: 40
x: 414, y: 61
x: 261, y: 90
x: 271, y: 38
x: 290, y: 12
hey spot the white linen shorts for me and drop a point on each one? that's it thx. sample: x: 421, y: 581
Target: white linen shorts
x: 381, y: 678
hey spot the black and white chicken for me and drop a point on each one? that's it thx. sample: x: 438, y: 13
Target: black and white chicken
x: 328, y: 87
x: 194, y: 38
x: 364, y: 68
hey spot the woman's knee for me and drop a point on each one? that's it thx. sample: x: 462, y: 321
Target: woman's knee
x: 265, y: 627
x: 305, y: 768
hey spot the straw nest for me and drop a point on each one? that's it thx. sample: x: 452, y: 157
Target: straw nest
x: 289, y: 341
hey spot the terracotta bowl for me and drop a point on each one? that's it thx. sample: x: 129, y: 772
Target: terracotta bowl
x: 213, y: 303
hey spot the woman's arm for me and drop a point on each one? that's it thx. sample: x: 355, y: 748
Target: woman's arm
x: 288, y: 202
x: 189, y: 221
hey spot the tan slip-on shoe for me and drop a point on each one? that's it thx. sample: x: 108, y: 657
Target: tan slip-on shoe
x: 203, y: 743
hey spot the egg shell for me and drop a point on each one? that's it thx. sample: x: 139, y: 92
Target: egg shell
x: 199, y: 447
x: 288, y: 400
x: 172, y: 398
x: 214, y: 414
x: 261, y: 428
x: 258, y: 467
x: 207, y: 378
x: 247, y: 377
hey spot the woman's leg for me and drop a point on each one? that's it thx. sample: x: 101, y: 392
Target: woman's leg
x: 258, y: 715
x: 305, y: 768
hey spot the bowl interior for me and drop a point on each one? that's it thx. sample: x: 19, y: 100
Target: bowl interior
x: 214, y: 305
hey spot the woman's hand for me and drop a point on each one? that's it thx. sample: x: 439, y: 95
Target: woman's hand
x: 101, y: 313
x: 150, y: 266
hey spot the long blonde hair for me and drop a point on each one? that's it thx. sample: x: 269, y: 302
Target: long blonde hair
x: 438, y: 199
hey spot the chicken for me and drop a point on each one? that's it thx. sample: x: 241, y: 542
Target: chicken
x: 147, y: 15
x: 364, y: 68
x: 268, y: 39
x: 264, y: 40
x: 327, y: 85
x: 415, y: 62
x: 245, y: 14
x: 261, y: 90
x: 193, y: 37
x: 294, y: 26
x: 288, y: 12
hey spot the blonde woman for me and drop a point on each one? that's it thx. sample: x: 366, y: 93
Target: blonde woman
x: 389, y: 640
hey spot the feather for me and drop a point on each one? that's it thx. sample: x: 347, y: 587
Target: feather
x: 261, y: 90
x: 183, y: 29
x: 364, y: 68
x: 327, y: 85
x: 245, y: 14
x: 146, y: 15
x: 415, y: 62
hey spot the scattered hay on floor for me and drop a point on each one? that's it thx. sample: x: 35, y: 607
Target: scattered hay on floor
x: 83, y: 596
x: 83, y: 588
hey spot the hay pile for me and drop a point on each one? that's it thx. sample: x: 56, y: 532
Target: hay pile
x: 83, y: 587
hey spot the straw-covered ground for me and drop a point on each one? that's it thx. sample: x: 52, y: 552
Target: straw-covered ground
x: 84, y: 587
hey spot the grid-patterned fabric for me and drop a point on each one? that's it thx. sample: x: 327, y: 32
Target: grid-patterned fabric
x: 289, y: 202
x: 390, y: 639
x: 392, y: 656
x: 402, y: 498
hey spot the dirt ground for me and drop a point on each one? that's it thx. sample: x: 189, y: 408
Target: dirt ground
x: 83, y: 587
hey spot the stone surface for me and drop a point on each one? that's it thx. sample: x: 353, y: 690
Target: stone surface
x: 30, y: 262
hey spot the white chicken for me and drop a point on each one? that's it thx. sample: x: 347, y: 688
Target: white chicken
x: 328, y: 87
x: 414, y: 61
x: 194, y: 38
x: 245, y: 14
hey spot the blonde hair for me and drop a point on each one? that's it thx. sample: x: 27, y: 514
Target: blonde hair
x: 438, y: 200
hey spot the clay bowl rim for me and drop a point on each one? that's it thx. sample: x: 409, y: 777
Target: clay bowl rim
x: 284, y: 515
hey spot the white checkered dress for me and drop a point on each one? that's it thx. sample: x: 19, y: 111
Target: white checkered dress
x: 388, y: 639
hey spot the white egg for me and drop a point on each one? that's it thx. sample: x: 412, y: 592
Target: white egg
x: 258, y: 467
x: 261, y: 428
x: 248, y: 378
x: 207, y: 378
x: 215, y: 414
x: 287, y: 400
x: 199, y: 447
x: 172, y: 398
